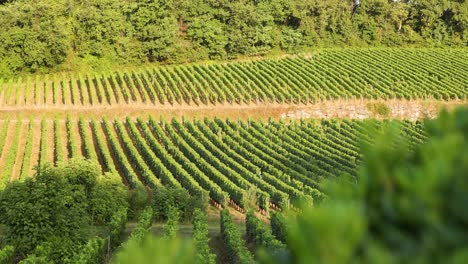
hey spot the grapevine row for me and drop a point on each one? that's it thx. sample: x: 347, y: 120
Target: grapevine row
x: 329, y: 74
x: 222, y: 159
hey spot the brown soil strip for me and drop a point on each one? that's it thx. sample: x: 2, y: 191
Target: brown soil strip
x: 50, y: 141
x: 49, y: 96
x: 64, y: 139
x: 110, y: 93
x: 75, y: 94
x: 58, y: 89
x: 84, y: 91
x: 8, y: 141
x: 39, y: 89
x: 75, y: 133
x: 10, y: 99
x: 66, y: 93
x: 21, y: 94
x: 29, y: 98
x: 23, y: 137
x: 2, y: 94
x: 91, y: 136
x: 354, y: 109
x: 92, y: 91
x: 35, y: 147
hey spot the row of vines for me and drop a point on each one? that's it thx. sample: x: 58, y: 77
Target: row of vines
x: 330, y: 74
x: 283, y: 162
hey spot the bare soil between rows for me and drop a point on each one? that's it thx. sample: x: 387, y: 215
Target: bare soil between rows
x: 352, y: 109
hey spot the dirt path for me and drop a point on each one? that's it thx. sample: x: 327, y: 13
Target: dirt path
x: 23, y: 137
x: 8, y: 140
x: 29, y: 96
x: 21, y: 94
x: 39, y: 94
x: 11, y: 99
x: 355, y: 109
x: 35, y: 147
x: 63, y: 139
x: 2, y: 94
x: 8, y: 146
x: 75, y: 133
x: 50, y: 142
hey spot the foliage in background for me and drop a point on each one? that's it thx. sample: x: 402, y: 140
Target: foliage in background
x: 178, y: 198
x: 79, y: 35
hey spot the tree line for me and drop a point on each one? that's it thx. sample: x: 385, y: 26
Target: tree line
x: 45, y: 35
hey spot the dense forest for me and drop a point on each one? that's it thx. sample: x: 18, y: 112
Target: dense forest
x: 61, y: 35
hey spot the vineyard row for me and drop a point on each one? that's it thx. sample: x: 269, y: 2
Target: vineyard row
x: 331, y: 74
x: 283, y: 162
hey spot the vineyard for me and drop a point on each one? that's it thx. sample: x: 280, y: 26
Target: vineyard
x: 235, y: 148
x: 330, y: 74
x: 284, y: 161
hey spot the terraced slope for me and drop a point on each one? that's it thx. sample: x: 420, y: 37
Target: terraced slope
x: 331, y: 74
x: 215, y: 157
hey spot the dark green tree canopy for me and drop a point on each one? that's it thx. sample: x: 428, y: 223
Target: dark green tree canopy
x: 53, y: 210
x: 95, y: 34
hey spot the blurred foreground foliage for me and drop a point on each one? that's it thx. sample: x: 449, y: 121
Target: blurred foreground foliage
x: 408, y: 206
x: 158, y: 250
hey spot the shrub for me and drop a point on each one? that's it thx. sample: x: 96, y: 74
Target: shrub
x: 409, y: 206
x: 178, y: 198
x: 378, y: 108
x: 6, y: 254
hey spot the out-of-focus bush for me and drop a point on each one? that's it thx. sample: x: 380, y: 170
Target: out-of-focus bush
x: 177, y: 198
x: 408, y: 206
x: 158, y: 250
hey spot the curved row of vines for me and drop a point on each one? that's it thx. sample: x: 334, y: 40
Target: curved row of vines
x: 330, y: 74
x: 224, y: 159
